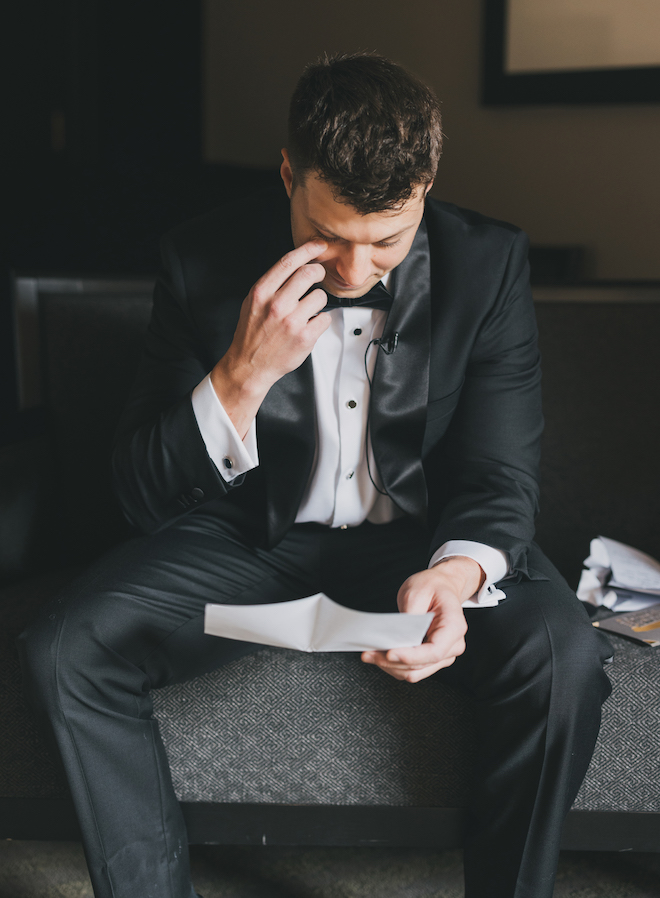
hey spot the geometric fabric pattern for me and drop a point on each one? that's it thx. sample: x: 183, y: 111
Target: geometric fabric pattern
x: 289, y: 727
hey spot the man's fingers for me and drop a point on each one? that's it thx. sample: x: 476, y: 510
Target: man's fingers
x: 288, y: 265
x: 445, y: 640
x: 311, y: 304
x: 414, y: 676
x: 299, y: 283
x: 402, y: 672
x: 442, y: 643
x: 317, y: 324
x: 419, y: 656
x: 415, y: 658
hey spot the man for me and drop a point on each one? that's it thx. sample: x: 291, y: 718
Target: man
x: 340, y: 392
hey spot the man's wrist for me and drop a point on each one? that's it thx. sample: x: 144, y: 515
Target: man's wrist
x: 465, y: 575
x: 235, y: 386
x: 241, y: 397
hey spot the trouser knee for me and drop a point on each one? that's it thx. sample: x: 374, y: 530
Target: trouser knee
x: 546, y: 660
x: 74, y: 652
x: 37, y: 662
x: 578, y: 667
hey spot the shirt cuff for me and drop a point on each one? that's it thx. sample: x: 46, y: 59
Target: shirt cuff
x: 231, y: 455
x: 493, y: 562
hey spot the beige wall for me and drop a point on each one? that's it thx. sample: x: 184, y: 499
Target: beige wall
x: 584, y: 174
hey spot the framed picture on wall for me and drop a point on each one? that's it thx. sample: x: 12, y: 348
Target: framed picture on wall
x: 571, y: 51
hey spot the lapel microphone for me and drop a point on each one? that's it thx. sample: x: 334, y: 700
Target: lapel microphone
x: 389, y: 344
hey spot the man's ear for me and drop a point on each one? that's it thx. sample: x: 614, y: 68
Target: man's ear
x: 428, y: 187
x: 286, y: 173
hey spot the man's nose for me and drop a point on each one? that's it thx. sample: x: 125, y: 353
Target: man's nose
x: 354, y: 265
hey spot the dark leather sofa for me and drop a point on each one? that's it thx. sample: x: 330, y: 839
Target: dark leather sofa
x: 289, y: 748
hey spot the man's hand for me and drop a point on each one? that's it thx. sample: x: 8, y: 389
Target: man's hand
x: 441, y: 589
x: 276, y: 331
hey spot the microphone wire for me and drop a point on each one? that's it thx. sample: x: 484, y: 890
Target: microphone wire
x: 388, y: 347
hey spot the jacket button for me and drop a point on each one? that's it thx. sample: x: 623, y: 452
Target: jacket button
x: 197, y: 494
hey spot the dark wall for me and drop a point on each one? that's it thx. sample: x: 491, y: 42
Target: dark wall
x: 104, y: 109
x: 103, y: 144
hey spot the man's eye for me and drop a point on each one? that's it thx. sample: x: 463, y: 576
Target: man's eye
x: 382, y: 244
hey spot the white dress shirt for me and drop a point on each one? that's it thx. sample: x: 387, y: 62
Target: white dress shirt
x: 343, y: 489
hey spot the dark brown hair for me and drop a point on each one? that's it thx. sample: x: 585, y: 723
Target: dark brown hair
x: 367, y: 127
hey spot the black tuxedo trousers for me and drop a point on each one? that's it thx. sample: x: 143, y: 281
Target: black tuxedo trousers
x: 134, y: 621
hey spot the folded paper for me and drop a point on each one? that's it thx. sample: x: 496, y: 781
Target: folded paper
x: 316, y: 624
x: 619, y: 577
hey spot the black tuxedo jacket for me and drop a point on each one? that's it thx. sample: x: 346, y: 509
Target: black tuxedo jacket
x: 455, y: 412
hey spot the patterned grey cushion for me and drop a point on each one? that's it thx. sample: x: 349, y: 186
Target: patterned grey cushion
x: 292, y: 728
x: 281, y: 726
x: 284, y: 726
x: 624, y: 774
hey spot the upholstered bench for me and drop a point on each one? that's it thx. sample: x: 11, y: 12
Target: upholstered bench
x: 281, y: 747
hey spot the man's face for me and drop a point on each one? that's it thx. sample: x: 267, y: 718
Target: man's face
x: 361, y: 248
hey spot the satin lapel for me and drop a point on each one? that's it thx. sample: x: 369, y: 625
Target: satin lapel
x: 286, y: 433
x: 400, y: 389
x: 286, y: 421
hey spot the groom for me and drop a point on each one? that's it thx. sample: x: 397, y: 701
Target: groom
x: 340, y: 392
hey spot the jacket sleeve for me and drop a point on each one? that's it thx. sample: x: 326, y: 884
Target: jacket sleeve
x: 161, y: 468
x: 490, y: 453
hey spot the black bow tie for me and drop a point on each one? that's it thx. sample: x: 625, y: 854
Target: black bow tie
x: 376, y: 298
